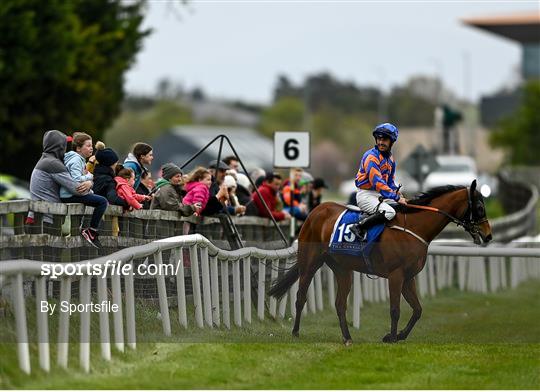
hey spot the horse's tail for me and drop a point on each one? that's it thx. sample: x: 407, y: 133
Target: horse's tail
x: 281, y: 285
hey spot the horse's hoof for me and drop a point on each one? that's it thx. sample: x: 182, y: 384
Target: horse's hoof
x: 389, y: 338
x: 296, y: 334
x: 347, y: 342
x: 401, y: 336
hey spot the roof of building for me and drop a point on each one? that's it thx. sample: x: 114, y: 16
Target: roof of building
x: 522, y: 27
x: 182, y: 142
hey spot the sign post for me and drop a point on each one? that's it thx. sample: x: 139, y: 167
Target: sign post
x: 419, y: 164
x: 291, y: 150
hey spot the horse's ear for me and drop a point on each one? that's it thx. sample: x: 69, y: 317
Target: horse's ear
x: 473, y: 187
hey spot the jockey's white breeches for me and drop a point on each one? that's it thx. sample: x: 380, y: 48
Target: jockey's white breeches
x: 369, y: 200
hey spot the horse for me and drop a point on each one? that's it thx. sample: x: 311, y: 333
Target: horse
x: 400, y: 254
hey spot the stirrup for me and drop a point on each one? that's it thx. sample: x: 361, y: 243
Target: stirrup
x: 359, y: 233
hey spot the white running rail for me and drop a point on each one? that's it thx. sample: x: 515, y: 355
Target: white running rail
x: 474, y: 268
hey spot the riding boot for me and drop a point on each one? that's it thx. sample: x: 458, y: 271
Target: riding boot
x: 360, y: 229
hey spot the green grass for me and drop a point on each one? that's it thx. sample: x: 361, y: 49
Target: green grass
x: 463, y: 341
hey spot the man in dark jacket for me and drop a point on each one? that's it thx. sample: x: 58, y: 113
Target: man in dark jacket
x: 104, y: 183
x: 315, y: 194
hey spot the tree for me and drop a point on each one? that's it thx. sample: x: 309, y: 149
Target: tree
x: 287, y: 114
x: 519, y: 134
x: 62, y: 66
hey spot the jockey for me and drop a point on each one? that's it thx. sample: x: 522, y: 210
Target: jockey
x: 375, y: 178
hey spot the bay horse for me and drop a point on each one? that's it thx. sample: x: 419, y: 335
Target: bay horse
x: 400, y: 254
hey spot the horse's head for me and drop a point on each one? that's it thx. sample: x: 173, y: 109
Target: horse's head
x: 475, y: 219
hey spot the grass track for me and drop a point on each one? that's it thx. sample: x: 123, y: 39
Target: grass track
x: 463, y: 341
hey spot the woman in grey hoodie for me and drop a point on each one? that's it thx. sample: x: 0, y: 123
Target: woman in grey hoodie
x: 75, y: 162
x: 50, y: 173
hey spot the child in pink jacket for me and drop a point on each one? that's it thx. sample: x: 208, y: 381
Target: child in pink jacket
x: 198, y: 188
x: 125, y: 178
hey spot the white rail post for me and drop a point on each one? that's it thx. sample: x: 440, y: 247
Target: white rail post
x: 451, y: 269
x: 282, y: 306
x: 462, y: 272
x: 104, y: 334
x: 357, y: 299
x: 365, y: 288
x: 207, y: 296
x: 226, y: 302
x: 118, y: 318
x: 318, y: 290
x: 273, y: 277
x: 42, y: 324
x: 330, y: 286
x: 162, y: 293
x: 247, y: 288
x: 195, y: 280
x: 422, y: 281
x: 504, y: 275
x: 237, y: 297
x: 180, y: 286
x: 131, y: 330
x: 431, y: 276
x: 214, y: 275
x: 261, y: 288
x: 63, y: 323
x: 84, y: 353
x: 20, y: 320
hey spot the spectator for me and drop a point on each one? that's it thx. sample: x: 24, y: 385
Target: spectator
x: 257, y: 176
x: 125, y: 179
x: 242, y: 189
x: 315, y: 194
x: 197, y: 186
x: 145, y: 188
x: 292, y: 199
x: 169, y: 191
x: 232, y: 162
x: 104, y: 173
x: 230, y: 183
x: 92, y: 161
x: 50, y: 173
x: 75, y: 162
x: 218, y: 193
x: 269, y: 193
x: 136, y: 160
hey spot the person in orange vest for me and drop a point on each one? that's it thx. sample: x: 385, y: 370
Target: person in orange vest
x: 292, y: 199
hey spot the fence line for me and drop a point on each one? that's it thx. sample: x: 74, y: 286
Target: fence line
x: 475, y: 269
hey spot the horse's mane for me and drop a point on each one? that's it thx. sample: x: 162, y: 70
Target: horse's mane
x: 425, y: 198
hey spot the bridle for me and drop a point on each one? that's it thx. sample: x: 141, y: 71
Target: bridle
x: 468, y: 221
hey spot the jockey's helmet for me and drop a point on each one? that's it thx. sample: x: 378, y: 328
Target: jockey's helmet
x: 387, y: 129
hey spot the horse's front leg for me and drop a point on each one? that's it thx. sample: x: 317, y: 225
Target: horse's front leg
x: 409, y: 293
x: 395, y: 283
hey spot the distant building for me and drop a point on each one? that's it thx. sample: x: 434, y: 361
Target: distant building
x: 523, y: 28
x: 182, y: 142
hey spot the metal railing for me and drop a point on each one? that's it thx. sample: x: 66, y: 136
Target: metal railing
x: 471, y: 267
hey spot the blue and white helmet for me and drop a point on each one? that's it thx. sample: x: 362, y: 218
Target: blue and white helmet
x: 387, y: 129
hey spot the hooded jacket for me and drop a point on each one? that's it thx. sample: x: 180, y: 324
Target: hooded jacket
x: 197, y: 192
x: 132, y: 163
x: 76, y: 166
x: 126, y: 192
x: 50, y: 174
x: 167, y: 197
x: 104, y: 185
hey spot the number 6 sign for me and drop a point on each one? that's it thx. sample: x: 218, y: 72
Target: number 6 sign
x: 291, y: 149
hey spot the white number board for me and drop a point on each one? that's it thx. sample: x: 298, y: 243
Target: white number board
x: 291, y: 149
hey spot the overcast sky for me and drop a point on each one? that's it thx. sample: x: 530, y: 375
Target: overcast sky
x: 236, y: 49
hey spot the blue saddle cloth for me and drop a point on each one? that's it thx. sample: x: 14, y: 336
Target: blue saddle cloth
x: 343, y: 241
